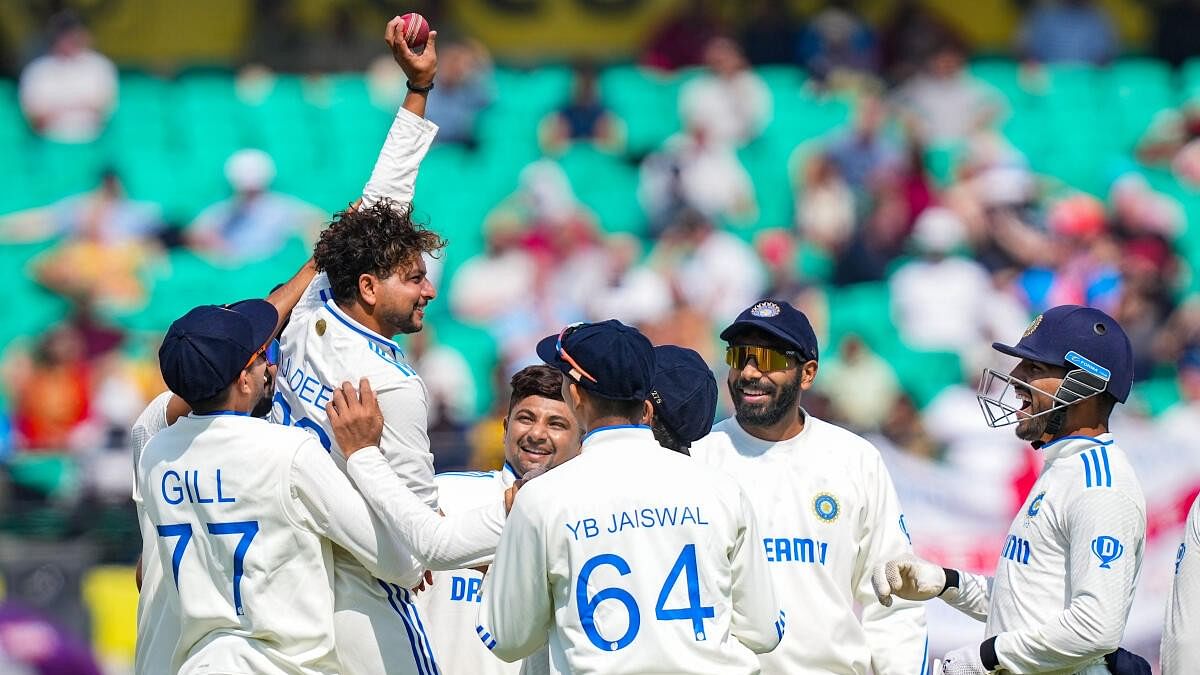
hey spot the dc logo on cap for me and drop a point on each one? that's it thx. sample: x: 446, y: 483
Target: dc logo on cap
x: 765, y: 310
x: 826, y: 507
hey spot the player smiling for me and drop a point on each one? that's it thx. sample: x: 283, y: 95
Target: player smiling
x: 825, y: 504
x: 1065, y: 580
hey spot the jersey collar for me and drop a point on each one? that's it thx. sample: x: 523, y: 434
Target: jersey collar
x: 362, y: 330
x: 1072, y: 445
x: 508, y: 474
x: 616, y: 434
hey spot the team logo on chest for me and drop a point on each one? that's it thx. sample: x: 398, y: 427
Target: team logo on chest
x: 1035, y: 507
x: 826, y: 507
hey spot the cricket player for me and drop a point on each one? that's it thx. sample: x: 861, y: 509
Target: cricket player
x: 629, y: 558
x: 371, y: 286
x: 826, y: 507
x: 1065, y: 580
x: 1180, y: 644
x: 683, y: 399
x: 539, y: 432
x: 245, y: 513
x: 158, y: 623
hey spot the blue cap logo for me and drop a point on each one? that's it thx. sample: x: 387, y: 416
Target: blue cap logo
x: 1107, y: 549
x: 765, y: 310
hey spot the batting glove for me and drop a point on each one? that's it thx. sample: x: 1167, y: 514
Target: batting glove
x: 963, y: 661
x: 908, y: 577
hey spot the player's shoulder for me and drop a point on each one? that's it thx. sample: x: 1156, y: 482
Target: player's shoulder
x: 465, y: 490
x: 1099, y: 469
x: 372, y: 354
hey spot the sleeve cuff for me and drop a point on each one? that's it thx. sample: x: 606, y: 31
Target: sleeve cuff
x: 952, y: 580
x: 421, y: 123
x: 987, y: 654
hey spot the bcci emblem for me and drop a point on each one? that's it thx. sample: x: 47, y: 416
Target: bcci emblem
x: 1033, y: 326
x: 1107, y: 549
x: 765, y: 310
x: 826, y: 507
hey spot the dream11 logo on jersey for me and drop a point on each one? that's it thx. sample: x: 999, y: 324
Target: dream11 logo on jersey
x: 1107, y: 549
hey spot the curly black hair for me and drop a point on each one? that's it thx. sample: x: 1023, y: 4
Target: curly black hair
x: 373, y: 240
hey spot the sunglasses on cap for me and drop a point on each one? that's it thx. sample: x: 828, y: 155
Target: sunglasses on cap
x: 766, y: 359
x: 269, y: 352
x: 577, y: 371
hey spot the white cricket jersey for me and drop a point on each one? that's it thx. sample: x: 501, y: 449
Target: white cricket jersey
x: 1065, y: 580
x: 157, y: 617
x: 827, y: 515
x: 245, y: 514
x: 378, y: 626
x: 631, y: 558
x: 451, y: 605
x: 1181, y: 634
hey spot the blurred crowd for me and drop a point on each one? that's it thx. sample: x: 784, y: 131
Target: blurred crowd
x: 960, y: 259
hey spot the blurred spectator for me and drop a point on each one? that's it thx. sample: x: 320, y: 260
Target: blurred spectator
x: 1070, y: 31
x: 862, y: 153
x: 718, y: 273
x: 769, y: 36
x: 52, y: 393
x: 1182, y: 420
x: 862, y: 387
x: 777, y: 248
x: 1176, y: 25
x: 944, y: 302
x: 909, y: 36
x: 446, y: 374
x: 68, y: 94
x: 254, y: 223
x: 691, y: 172
x: 837, y: 41
x: 686, y: 326
x: 729, y: 103
x: 584, y: 118
x: 554, y: 224
x: 1083, y: 269
x: 105, y: 215
x: 904, y: 427
x: 632, y: 293
x: 30, y: 644
x: 464, y: 89
x: 492, y: 283
x: 943, y: 102
x: 679, y: 42
x: 825, y: 209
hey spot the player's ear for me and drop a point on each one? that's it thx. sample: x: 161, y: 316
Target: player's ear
x: 647, y: 413
x: 367, y: 284
x: 575, y: 396
x: 808, y: 374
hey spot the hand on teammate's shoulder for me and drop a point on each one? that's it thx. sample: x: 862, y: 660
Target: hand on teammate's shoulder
x: 355, y: 417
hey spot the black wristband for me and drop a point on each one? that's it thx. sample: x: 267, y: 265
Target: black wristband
x: 419, y: 90
x: 951, y: 580
x: 987, y: 654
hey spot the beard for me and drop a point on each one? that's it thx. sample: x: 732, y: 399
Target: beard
x: 262, y: 407
x: 1031, y: 430
x: 406, y: 322
x: 782, y: 401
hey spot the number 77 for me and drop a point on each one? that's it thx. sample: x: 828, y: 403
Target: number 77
x: 247, y: 528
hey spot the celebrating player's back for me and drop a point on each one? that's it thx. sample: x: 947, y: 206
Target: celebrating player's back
x: 629, y: 558
x: 245, y: 511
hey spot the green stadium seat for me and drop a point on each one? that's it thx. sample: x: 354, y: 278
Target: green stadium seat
x: 646, y: 101
x: 608, y: 186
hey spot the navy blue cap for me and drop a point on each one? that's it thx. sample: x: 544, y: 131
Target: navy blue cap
x: 206, y: 349
x: 618, y: 356
x: 1079, y: 337
x: 684, y: 394
x: 779, y: 319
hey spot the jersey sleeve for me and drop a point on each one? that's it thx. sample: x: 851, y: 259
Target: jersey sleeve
x: 757, y: 621
x: 465, y: 539
x: 1105, y: 530
x: 896, y: 635
x: 1180, y: 648
x: 405, y: 441
x: 321, y: 499
x: 151, y: 421
x: 972, y: 596
x: 516, y: 614
x: 395, y: 174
